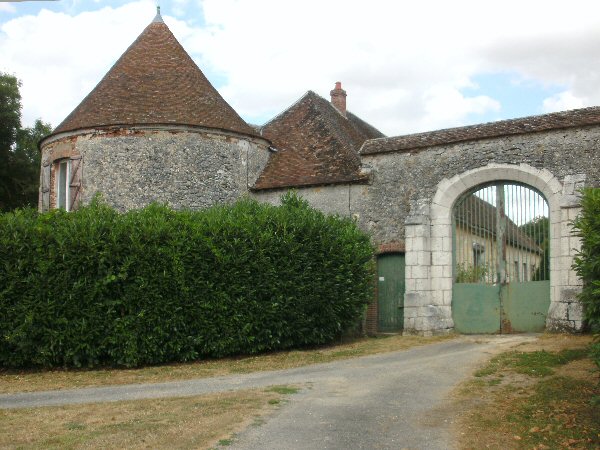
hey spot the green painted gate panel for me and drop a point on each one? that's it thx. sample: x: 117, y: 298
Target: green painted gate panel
x: 525, y: 306
x: 390, y: 292
x: 476, y: 308
x: 501, y: 259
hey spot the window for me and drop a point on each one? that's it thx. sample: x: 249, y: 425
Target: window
x: 62, y: 184
x: 478, y: 254
x: 525, y: 273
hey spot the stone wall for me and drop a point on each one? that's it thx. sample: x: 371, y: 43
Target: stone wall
x: 407, y: 203
x: 403, y: 180
x: 333, y: 199
x: 183, y: 168
x: 411, y: 194
x: 411, y: 197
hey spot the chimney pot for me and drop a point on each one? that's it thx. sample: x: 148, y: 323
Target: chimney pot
x: 338, y: 98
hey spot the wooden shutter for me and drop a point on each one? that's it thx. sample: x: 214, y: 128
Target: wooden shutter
x: 75, y: 182
x: 45, y: 186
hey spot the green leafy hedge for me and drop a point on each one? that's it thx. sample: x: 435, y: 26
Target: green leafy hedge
x: 587, y: 262
x: 96, y: 287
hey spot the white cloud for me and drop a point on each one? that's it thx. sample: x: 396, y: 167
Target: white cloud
x: 563, y: 101
x: 7, y: 7
x: 405, y: 65
x: 60, y: 58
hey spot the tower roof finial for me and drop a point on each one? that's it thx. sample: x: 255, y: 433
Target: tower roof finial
x: 158, y: 17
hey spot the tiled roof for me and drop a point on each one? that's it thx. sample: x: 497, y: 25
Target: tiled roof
x: 155, y: 82
x: 316, y: 145
x: 565, y: 119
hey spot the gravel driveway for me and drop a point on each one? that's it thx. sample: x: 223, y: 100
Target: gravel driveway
x: 375, y: 402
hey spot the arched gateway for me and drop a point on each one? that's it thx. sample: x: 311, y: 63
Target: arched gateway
x: 465, y: 254
x: 500, y: 259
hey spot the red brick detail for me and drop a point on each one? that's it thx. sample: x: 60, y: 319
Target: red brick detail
x: 315, y: 146
x: 55, y: 153
x: 155, y: 82
x: 338, y: 98
x: 552, y: 121
x: 392, y: 247
x: 372, y: 313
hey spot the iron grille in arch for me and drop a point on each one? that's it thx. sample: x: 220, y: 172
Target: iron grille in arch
x: 501, y: 235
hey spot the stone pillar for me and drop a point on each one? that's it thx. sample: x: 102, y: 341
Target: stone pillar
x: 565, y: 313
x: 427, y: 308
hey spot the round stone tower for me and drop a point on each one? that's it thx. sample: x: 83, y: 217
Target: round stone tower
x: 153, y: 129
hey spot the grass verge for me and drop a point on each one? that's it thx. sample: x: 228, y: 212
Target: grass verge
x: 189, y: 422
x: 29, y: 380
x: 534, y: 398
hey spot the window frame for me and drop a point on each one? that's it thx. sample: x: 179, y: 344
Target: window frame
x: 63, y: 186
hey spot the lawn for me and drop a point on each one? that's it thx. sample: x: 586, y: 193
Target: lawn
x: 38, y: 380
x: 536, y: 396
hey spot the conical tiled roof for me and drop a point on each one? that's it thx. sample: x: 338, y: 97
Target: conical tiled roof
x: 316, y: 145
x: 155, y: 82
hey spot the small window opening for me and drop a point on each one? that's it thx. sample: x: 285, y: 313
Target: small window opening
x: 62, y: 185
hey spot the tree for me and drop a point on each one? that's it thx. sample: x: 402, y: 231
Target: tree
x: 26, y: 163
x: 538, y: 230
x: 587, y: 262
x: 19, y: 153
x: 10, y: 123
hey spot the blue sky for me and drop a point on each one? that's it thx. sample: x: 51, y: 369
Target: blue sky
x: 407, y: 66
x: 517, y: 97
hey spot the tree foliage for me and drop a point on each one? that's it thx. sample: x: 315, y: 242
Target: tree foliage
x: 587, y: 261
x: 19, y: 154
x: 95, y: 287
x: 10, y: 123
x: 538, y: 229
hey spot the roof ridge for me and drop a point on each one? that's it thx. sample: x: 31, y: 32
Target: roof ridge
x: 528, y: 124
x: 306, y: 94
x: 316, y: 146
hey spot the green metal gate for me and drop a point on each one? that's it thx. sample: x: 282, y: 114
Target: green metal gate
x: 501, y: 260
x: 390, y: 292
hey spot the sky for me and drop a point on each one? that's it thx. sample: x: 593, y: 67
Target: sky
x: 407, y: 66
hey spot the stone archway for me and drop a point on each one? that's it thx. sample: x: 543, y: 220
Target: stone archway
x: 428, y: 298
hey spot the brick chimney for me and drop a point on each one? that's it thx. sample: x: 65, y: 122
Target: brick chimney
x: 338, y: 98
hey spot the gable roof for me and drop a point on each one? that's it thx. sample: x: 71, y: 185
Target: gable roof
x: 480, y: 218
x: 532, y: 124
x: 316, y: 145
x: 155, y: 82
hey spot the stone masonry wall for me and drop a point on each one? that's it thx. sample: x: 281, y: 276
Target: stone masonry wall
x: 399, y: 206
x: 400, y: 181
x: 411, y: 195
x: 334, y: 199
x: 182, y: 168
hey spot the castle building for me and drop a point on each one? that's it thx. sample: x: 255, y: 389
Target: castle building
x: 442, y: 207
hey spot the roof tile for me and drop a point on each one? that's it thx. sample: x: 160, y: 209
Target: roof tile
x: 564, y: 119
x: 155, y: 82
x: 316, y: 145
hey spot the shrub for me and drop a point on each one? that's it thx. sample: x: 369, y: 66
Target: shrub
x: 467, y: 273
x: 95, y: 287
x: 587, y: 261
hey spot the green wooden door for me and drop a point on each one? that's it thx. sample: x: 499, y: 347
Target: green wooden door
x: 501, y: 260
x: 390, y: 292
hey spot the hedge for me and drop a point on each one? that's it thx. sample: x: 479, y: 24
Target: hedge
x: 587, y: 261
x: 96, y: 287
